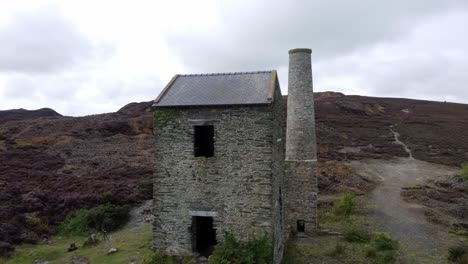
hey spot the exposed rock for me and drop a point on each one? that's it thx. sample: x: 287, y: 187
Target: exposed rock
x: 77, y: 259
x: 72, y: 247
x: 361, y: 108
x: 40, y: 262
x: 112, y: 251
x: 142, y: 215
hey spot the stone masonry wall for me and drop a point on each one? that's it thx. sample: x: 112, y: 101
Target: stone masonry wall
x: 235, y: 185
x: 279, y: 185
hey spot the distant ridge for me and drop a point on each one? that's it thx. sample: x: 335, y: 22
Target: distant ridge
x: 22, y: 114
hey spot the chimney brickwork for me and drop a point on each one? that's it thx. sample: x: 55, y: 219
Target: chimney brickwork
x: 301, y: 146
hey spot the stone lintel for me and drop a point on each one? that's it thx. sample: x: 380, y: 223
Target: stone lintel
x: 203, y: 122
x: 203, y: 213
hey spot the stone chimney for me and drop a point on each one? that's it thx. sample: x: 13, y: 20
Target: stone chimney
x: 301, y: 146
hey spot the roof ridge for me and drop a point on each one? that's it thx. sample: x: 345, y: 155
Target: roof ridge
x: 224, y: 73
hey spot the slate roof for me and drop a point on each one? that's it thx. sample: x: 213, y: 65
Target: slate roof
x: 238, y: 88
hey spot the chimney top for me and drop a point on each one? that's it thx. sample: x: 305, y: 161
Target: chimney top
x: 300, y: 50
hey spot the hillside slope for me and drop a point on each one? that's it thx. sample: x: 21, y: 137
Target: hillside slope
x: 53, y: 165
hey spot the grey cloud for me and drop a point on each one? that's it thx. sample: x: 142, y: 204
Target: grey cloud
x: 52, y: 87
x: 42, y: 41
x: 257, y: 34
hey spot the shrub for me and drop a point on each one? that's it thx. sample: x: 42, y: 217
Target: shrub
x: 253, y: 251
x: 35, y: 224
x: 382, y: 248
x: 383, y: 241
x: 464, y: 173
x: 2, y: 134
x: 357, y: 234
x: 347, y: 205
x: 458, y: 254
x: 146, y: 189
x: 104, y: 217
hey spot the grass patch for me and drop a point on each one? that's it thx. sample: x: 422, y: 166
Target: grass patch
x: 161, y: 258
x: 35, y: 141
x: 413, y: 187
x: 338, y: 250
x: 253, y: 251
x: 106, y: 217
x: 464, y: 172
x: 357, y: 245
x: 458, y: 232
x: 133, y: 244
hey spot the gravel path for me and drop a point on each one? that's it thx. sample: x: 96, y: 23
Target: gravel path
x: 421, y: 241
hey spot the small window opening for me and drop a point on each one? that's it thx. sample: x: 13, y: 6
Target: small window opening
x: 204, y: 141
x: 300, y: 226
x: 203, y: 235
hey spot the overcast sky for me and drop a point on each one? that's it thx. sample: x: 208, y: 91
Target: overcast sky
x: 89, y: 57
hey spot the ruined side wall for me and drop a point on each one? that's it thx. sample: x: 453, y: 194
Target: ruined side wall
x: 279, y: 185
x: 235, y: 184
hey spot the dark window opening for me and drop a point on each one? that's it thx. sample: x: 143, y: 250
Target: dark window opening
x: 300, y: 226
x: 203, y: 235
x: 204, y: 141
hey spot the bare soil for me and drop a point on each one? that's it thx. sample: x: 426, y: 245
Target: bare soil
x: 422, y: 241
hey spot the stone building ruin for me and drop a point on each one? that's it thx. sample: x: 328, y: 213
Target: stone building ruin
x: 232, y: 156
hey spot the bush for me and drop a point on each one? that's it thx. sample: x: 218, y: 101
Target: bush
x: 35, y: 224
x: 253, y: 251
x: 383, y: 241
x: 146, y: 189
x: 382, y: 248
x: 347, y: 205
x: 104, y: 217
x: 458, y: 254
x: 357, y: 234
x: 464, y: 173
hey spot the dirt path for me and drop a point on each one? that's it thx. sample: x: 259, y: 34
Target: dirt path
x: 421, y: 241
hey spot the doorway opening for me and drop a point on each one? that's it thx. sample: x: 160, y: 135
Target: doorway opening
x: 300, y: 226
x: 203, y: 235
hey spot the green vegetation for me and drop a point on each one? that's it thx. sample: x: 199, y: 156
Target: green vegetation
x: 464, y: 173
x: 347, y: 205
x: 161, y: 258
x: 338, y: 250
x: 413, y: 187
x: 357, y: 234
x: 133, y: 244
x: 458, y: 254
x: 146, y: 189
x: 104, y: 217
x: 356, y: 245
x: 163, y: 117
x: 253, y: 251
x: 459, y: 232
x: 382, y: 248
x: 35, y: 224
